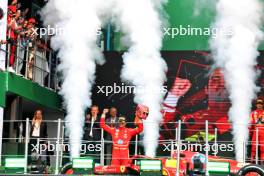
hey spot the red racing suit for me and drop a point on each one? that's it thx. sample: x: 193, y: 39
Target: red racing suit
x: 255, y: 117
x: 121, y: 138
x: 12, y: 36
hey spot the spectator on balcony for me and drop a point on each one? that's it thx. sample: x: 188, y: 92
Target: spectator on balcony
x: 22, y: 43
x: 41, y: 69
x: 11, y: 35
x: 26, y: 54
x: 32, y: 37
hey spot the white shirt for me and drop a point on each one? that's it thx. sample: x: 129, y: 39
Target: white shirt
x: 36, y: 129
x: 91, y: 130
x: 113, y: 119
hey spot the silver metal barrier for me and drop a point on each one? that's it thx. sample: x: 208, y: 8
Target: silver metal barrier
x: 136, y: 145
x: 178, y: 149
x: 26, y: 144
x: 172, y: 148
x: 37, y: 71
x: 102, y: 148
x: 244, y: 151
x: 207, y: 148
x: 215, y: 139
x: 58, y: 149
x: 62, y: 142
x: 59, y: 138
x: 257, y: 145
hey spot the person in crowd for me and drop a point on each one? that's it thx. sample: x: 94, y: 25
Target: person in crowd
x: 32, y: 49
x: 41, y: 68
x: 257, y: 124
x: 21, y: 36
x: 12, y: 27
x: 38, y: 127
x: 111, y: 121
x: 21, y: 44
x: 93, y: 131
x: 121, y: 137
x: 38, y: 131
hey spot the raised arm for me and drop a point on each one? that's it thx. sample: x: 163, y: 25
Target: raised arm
x: 138, y: 129
x: 102, y: 122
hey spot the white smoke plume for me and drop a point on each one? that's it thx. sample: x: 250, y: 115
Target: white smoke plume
x: 79, y: 21
x: 143, y: 66
x: 78, y: 53
x: 203, y: 6
x: 236, y: 54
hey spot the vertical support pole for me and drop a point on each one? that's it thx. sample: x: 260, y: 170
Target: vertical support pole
x: 215, y: 140
x: 58, y: 150
x: 178, y: 149
x: 3, y: 29
x: 26, y: 145
x: 34, y: 67
x: 8, y: 49
x: 17, y: 51
x: 136, y: 145
x: 244, y: 152
x: 257, y: 144
x: 171, y: 152
x: 1, y: 132
x: 102, y: 148
x: 207, y: 148
x: 27, y: 65
x: 57, y: 80
x: 38, y: 145
x: 176, y: 137
x: 49, y: 78
x: 62, y: 142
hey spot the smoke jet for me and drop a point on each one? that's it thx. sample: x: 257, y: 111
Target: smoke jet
x: 79, y: 54
x: 236, y: 52
x: 143, y: 65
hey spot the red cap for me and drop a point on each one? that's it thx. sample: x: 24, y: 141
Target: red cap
x: 12, y: 8
x: 32, y: 20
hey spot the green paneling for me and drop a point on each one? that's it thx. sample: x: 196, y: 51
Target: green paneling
x: 184, y: 13
x: 181, y: 13
x: 3, y: 88
x: 28, y: 89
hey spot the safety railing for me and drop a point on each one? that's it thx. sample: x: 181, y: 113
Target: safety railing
x: 32, y: 60
x: 56, y: 146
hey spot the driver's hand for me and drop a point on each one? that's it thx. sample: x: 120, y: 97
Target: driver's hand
x: 180, y: 87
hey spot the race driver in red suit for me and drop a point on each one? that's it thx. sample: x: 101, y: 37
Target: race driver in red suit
x: 121, y: 137
x: 216, y: 113
x: 257, y: 122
